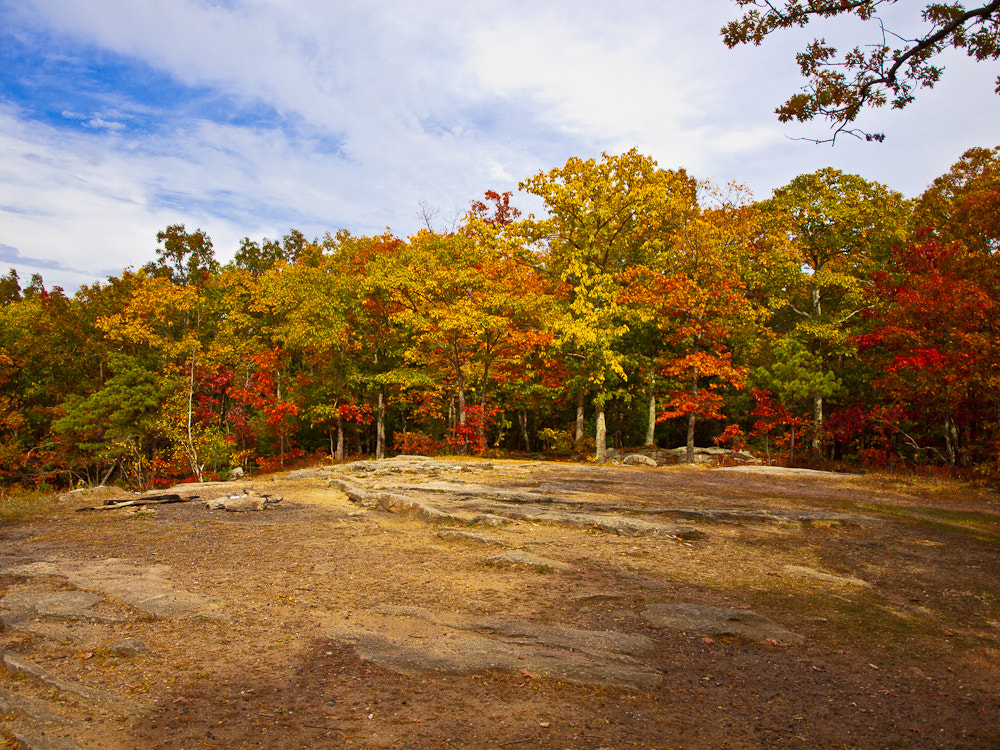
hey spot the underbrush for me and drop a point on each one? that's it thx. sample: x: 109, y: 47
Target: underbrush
x: 20, y: 504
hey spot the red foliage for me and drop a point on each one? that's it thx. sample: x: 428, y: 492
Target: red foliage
x: 416, y: 444
x: 501, y: 213
x: 470, y: 437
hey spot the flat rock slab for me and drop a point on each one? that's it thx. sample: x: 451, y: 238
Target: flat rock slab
x: 789, y: 471
x: 700, y: 620
x: 484, y: 506
x: 454, y: 535
x: 19, y: 607
x: 557, y: 636
x: 20, y: 665
x: 31, y: 738
x: 412, y: 642
x: 21, y: 705
x: 818, y: 575
x: 520, y: 557
x: 144, y: 588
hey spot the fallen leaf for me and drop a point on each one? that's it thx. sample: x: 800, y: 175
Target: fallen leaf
x: 527, y: 674
x: 707, y: 640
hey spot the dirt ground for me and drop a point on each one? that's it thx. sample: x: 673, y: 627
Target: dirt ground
x: 892, y: 586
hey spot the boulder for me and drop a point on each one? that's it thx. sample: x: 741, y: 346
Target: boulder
x: 638, y: 459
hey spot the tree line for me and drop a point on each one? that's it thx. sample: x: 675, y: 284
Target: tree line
x: 835, y: 320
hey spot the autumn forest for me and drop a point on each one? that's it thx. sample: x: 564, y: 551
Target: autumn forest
x: 834, y: 323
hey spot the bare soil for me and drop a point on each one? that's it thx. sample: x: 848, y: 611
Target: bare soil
x: 892, y: 585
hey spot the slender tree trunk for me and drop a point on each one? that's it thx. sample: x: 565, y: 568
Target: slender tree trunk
x: 461, y: 399
x: 281, y: 427
x: 579, y: 416
x: 602, y: 431
x: 791, y: 449
x: 651, y: 425
x: 950, y: 439
x: 340, y: 439
x: 817, y: 440
x: 692, y: 420
x: 523, y: 419
x: 380, y: 424
x: 689, y: 455
x: 481, y: 429
x: 191, y: 449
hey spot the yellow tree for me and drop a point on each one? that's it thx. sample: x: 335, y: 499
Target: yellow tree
x: 604, y: 217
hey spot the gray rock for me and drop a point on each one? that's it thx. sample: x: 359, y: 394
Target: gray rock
x: 800, y: 570
x: 718, y: 621
x: 394, y: 610
x: 638, y: 459
x: 559, y: 653
x: 143, y: 588
x: 519, y: 557
x: 301, y: 474
x: 557, y: 636
x: 128, y: 647
x: 236, y: 473
x: 12, y: 703
x: 468, y: 536
x: 62, y: 605
x: 18, y: 664
x: 246, y: 504
x: 30, y: 738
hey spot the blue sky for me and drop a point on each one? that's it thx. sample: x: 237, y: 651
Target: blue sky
x: 252, y: 117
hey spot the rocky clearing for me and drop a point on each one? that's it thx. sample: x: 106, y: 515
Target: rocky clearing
x: 423, y: 603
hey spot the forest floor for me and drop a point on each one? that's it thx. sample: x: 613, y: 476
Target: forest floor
x: 448, y: 604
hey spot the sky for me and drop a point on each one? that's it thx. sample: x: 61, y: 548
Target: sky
x: 248, y: 118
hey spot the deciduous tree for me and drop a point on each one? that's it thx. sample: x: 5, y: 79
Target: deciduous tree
x: 887, y: 69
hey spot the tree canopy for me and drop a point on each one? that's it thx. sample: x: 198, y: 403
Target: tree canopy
x: 833, y: 320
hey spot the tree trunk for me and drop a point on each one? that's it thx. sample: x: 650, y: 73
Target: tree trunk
x: 692, y: 420
x: 340, y: 439
x: 481, y: 428
x: 651, y: 425
x: 192, y: 451
x: 950, y: 440
x: 524, y: 431
x: 602, y: 432
x: 579, y: 416
x: 380, y: 425
x: 689, y: 456
x: 817, y: 440
x: 460, y: 383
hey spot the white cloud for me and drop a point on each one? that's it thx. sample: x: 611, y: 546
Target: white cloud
x: 371, y: 106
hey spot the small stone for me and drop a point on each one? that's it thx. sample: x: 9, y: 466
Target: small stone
x: 638, y: 459
x: 128, y: 647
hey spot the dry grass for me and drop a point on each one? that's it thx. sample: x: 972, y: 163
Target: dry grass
x: 18, y: 505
